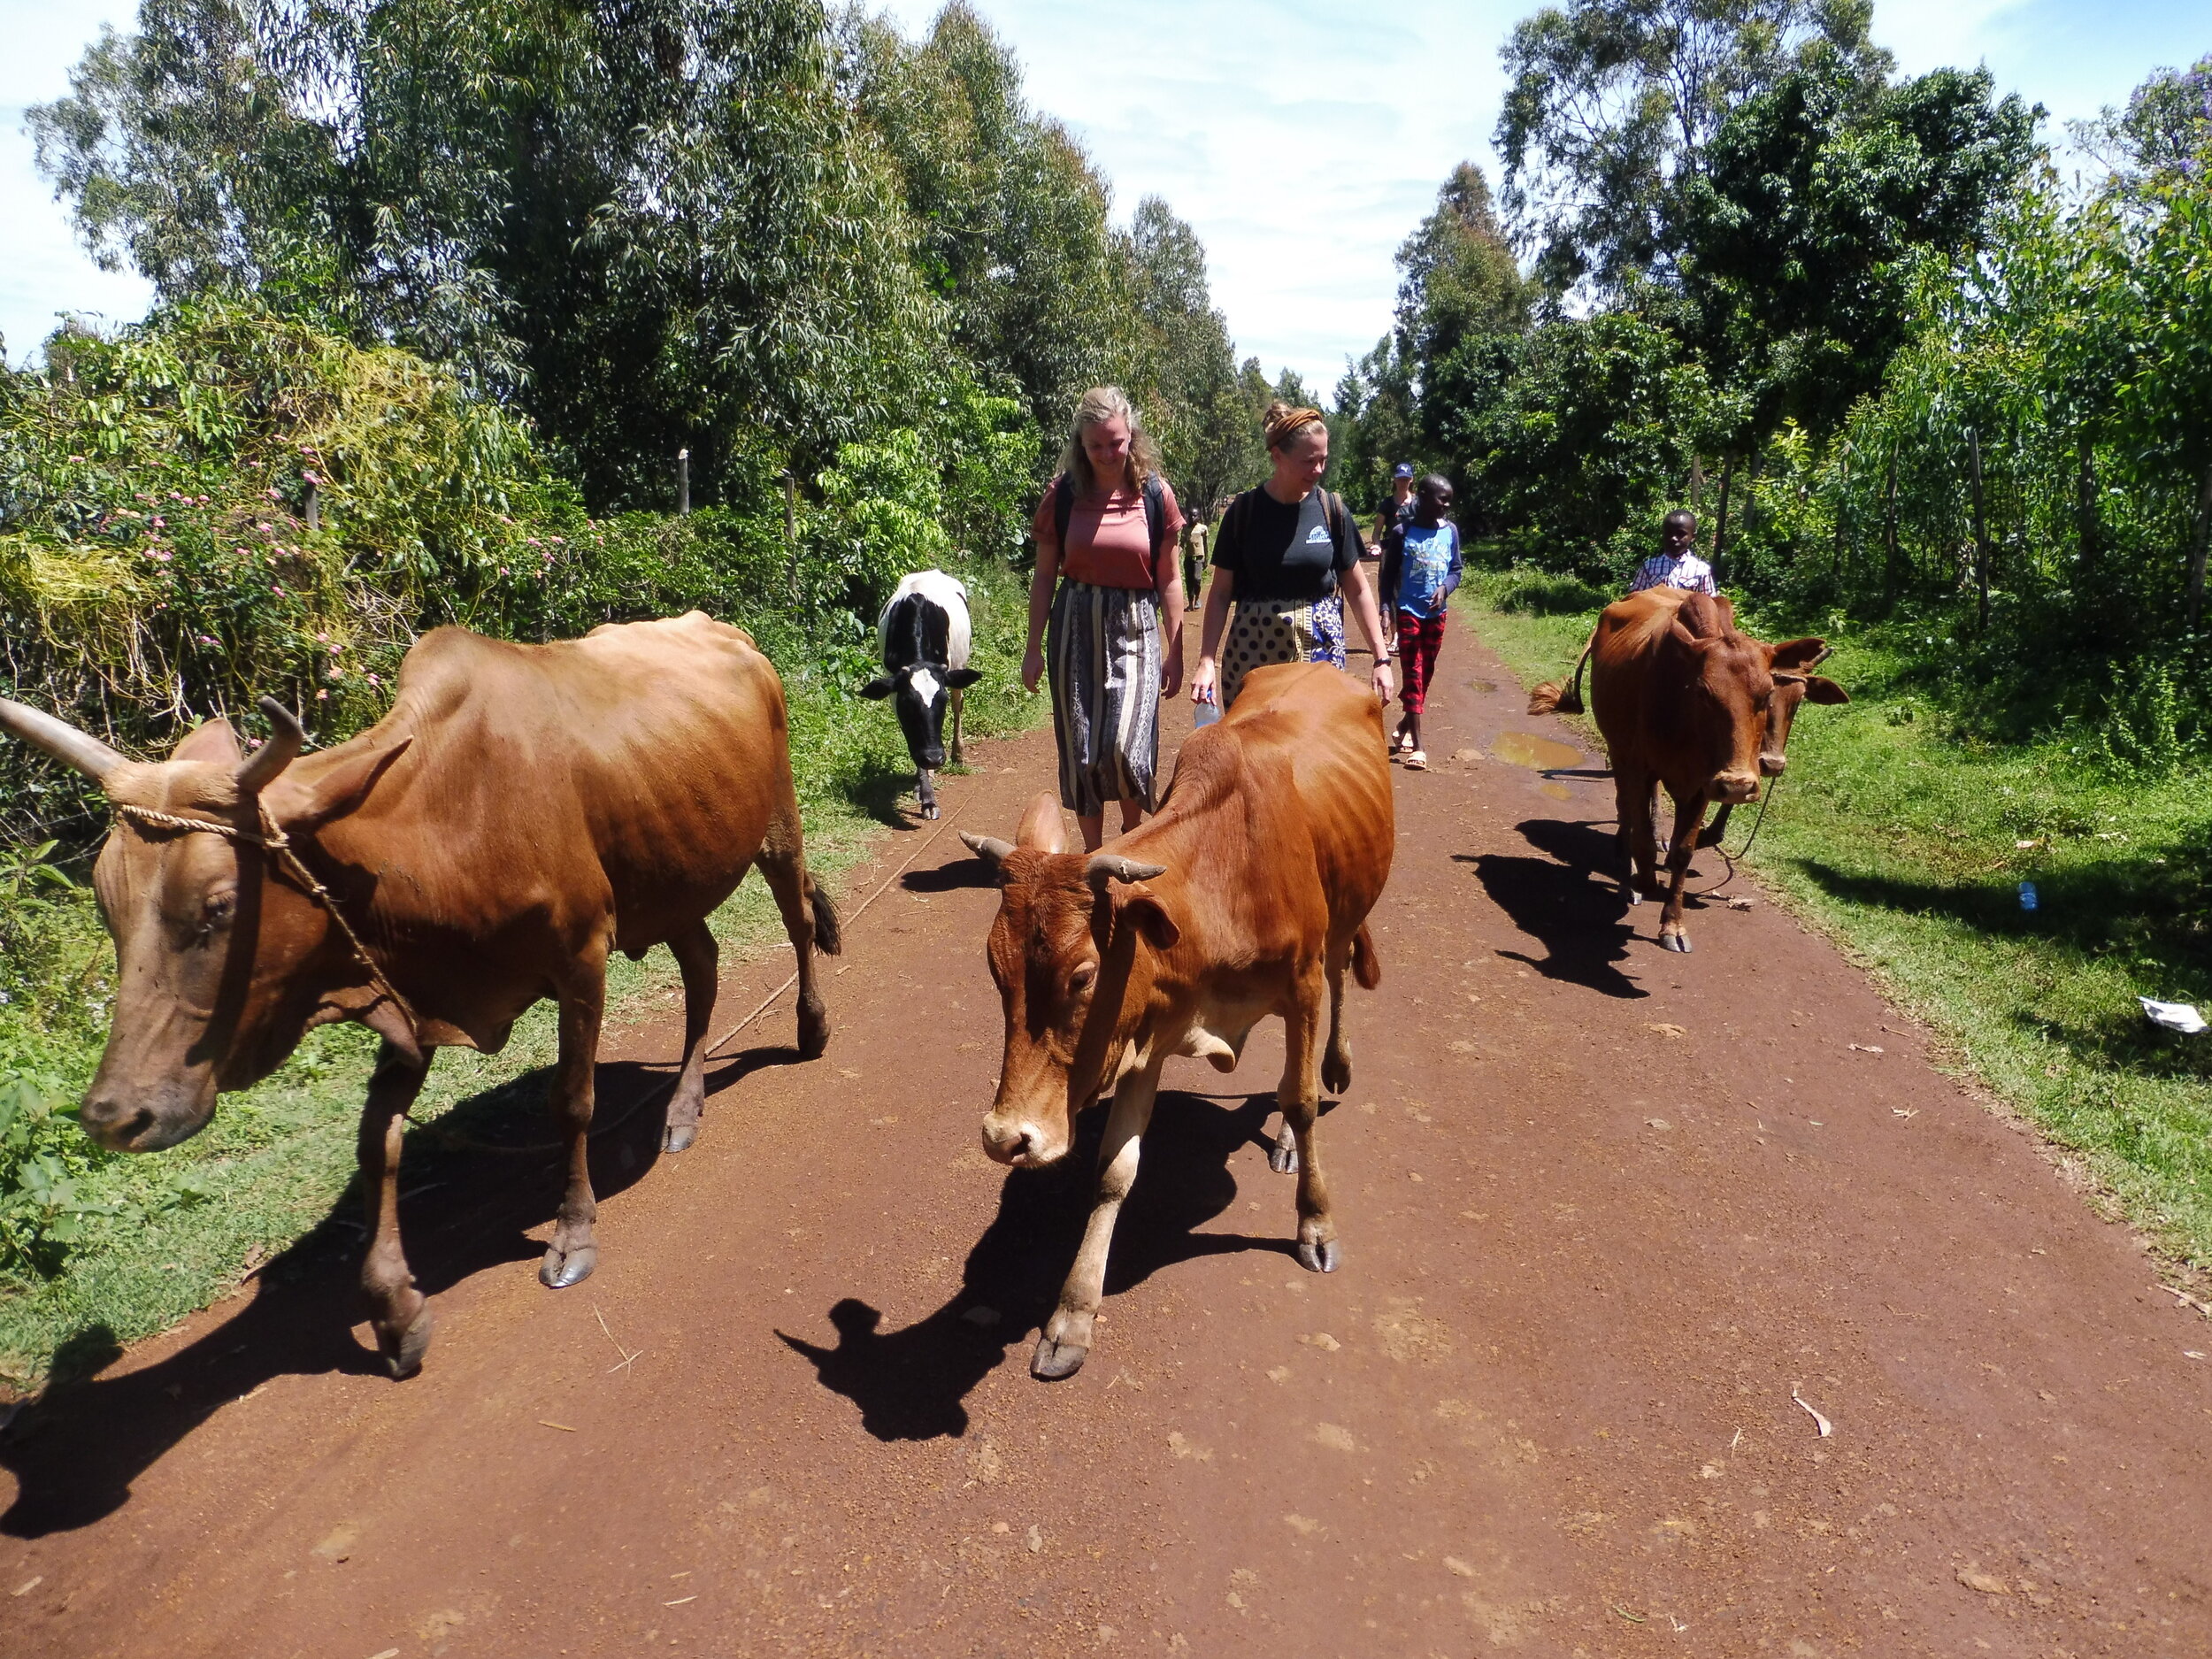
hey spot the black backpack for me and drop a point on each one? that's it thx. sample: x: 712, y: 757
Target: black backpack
x: 1155, y: 513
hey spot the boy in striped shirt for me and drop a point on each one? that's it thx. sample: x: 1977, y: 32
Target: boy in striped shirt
x: 1674, y: 565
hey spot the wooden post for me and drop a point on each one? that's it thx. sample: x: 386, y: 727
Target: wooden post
x: 314, y: 506
x: 1981, y: 532
x: 683, y: 482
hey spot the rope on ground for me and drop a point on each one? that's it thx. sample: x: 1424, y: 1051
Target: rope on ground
x: 460, y: 1143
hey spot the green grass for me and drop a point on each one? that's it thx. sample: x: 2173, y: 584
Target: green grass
x: 1906, y: 842
x: 276, y: 1158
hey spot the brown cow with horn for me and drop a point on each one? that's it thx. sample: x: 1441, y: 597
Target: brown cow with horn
x: 1247, y: 895
x: 522, y: 812
x: 1686, y: 699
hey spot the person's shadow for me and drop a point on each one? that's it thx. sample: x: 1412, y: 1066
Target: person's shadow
x: 463, y: 1208
x: 912, y: 1384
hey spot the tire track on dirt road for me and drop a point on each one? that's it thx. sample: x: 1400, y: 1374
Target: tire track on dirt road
x: 1605, y: 1211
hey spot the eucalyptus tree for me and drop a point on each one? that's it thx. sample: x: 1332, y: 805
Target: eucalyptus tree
x: 1612, y: 104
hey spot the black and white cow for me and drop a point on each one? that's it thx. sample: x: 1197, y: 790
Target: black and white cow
x: 923, y: 633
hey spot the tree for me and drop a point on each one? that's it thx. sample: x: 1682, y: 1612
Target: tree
x: 1188, y: 379
x: 1612, y: 104
x: 1801, y: 236
x: 1456, y: 275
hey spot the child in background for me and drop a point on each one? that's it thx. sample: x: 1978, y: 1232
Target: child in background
x: 1421, y: 567
x: 1674, y: 565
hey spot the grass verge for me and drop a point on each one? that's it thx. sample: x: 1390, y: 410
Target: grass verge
x: 190, y: 1222
x: 1908, y: 841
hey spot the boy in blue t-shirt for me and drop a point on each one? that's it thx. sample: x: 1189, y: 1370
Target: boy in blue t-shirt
x: 1421, y: 567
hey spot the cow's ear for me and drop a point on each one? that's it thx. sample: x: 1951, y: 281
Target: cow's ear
x: 961, y: 679
x: 209, y: 740
x: 881, y: 687
x: 1795, y: 656
x: 343, y: 787
x: 1140, y: 908
x: 1819, y: 688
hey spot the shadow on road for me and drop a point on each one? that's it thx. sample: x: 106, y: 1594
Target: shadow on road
x: 1569, y: 903
x: 463, y: 1208
x: 961, y: 874
x: 911, y: 1384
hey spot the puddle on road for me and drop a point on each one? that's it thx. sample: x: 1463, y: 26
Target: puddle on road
x: 1540, y: 754
x: 1556, y: 791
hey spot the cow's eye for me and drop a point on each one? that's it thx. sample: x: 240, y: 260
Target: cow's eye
x: 216, y: 912
x: 1079, y: 981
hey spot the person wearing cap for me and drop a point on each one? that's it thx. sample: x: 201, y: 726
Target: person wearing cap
x: 1401, y: 492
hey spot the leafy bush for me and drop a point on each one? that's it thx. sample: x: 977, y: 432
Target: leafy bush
x: 1528, y: 591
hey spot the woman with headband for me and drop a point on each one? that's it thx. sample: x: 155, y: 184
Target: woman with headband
x: 1285, y: 560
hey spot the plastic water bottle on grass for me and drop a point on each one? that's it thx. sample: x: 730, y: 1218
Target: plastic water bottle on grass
x: 2028, y: 900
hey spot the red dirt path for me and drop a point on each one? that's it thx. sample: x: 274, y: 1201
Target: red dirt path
x: 1604, y: 1208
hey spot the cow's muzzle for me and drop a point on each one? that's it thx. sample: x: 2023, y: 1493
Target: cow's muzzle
x: 143, y: 1120
x: 931, y: 759
x: 1773, y: 765
x: 1021, y: 1143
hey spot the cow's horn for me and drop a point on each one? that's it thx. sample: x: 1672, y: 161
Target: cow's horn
x: 59, y: 739
x: 989, y: 849
x: 259, y: 769
x: 1104, y: 867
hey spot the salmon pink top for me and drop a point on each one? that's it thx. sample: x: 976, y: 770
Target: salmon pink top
x: 1109, y: 543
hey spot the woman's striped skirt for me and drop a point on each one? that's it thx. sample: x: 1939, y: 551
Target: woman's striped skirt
x: 1104, y: 653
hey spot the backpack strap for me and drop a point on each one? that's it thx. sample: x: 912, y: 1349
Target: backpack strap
x: 1062, y: 510
x: 1154, y: 516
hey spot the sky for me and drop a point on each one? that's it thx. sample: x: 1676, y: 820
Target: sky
x: 1302, y: 143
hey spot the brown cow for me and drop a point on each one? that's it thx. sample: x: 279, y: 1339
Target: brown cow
x: 1247, y: 895
x: 522, y: 811
x: 1686, y: 699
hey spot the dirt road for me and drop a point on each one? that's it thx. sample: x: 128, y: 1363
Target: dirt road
x: 1608, y: 1216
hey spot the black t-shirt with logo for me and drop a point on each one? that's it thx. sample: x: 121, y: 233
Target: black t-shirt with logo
x: 1281, y: 551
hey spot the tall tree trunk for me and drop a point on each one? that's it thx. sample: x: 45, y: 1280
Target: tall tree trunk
x: 1893, y: 574
x: 1697, y: 483
x: 1981, y: 533
x: 2201, y: 541
x: 1720, y: 527
x: 2087, y: 531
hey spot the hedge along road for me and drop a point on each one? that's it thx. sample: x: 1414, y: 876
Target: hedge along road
x: 1609, y: 1216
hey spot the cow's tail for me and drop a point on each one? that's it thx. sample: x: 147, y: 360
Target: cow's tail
x: 829, y: 932
x: 1553, y: 698
x: 1366, y: 965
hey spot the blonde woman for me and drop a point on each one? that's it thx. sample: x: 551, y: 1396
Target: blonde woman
x: 1106, y: 575
x: 1286, y: 558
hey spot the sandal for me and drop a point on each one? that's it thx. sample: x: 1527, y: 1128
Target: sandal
x: 1417, y: 761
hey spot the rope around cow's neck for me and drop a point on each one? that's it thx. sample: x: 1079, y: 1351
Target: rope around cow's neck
x: 1744, y: 851
x: 278, y: 845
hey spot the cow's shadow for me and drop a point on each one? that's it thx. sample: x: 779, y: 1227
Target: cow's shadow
x: 912, y: 1384
x: 464, y: 1208
x: 1567, y: 902
x: 952, y: 878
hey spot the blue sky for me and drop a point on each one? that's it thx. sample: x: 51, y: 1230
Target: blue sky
x: 1302, y: 143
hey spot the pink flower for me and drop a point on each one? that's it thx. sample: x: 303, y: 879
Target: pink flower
x: 320, y: 695
x: 278, y: 591
x: 325, y: 638
x: 76, y: 460
x: 159, y: 522
x: 373, y: 680
x: 310, y: 478
x: 271, y: 493
x: 242, y: 553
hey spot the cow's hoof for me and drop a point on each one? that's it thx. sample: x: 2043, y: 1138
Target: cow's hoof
x: 1282, y: 1157
x: 1322, y: 1257
x: 1336, y: 1072
x: 930, y: 811
x: 1054, y: 1361
x: 814, y: 1032
x: 563, y: 1268
x: 1675, y: 941
x: 675, y: 1138
x: 403, y: 1353
x: 1630, y: 894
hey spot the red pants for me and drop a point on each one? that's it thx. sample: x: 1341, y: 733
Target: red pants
x: 1419, y: 638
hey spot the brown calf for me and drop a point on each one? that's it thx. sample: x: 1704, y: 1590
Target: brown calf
x: 522, y: 812
x: 1247, y: 895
